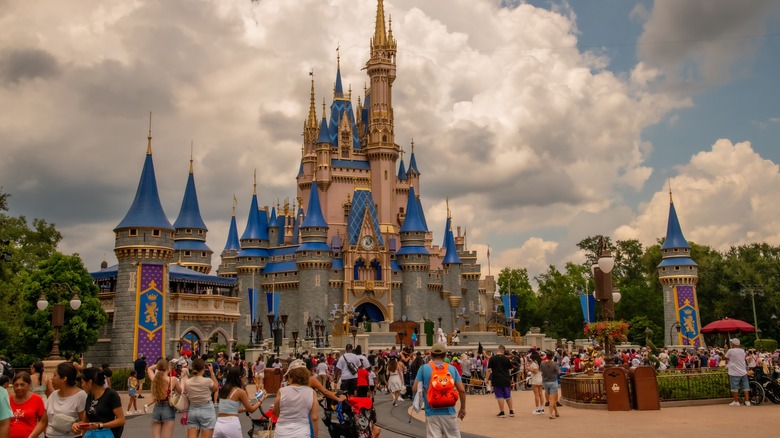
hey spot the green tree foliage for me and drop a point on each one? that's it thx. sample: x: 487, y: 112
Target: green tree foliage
x: 516, y: 282
x: 558, y: 302
x: 81, y: 327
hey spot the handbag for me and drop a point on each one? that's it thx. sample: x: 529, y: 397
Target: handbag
x: 182, y: 401
x: 268, y: 433
x: 61, y: 423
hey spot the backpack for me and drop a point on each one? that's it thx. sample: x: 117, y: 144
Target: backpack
x: 7, y: 371
x: 441, y: 389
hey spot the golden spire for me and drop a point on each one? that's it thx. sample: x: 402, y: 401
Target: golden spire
x: 670, y: 191
x: 413, y: 146
x: 449, y: 216
x: 379, y: 30
x: 323, y: 107
x: 149, y: 138
x: 338, y: 56
x: 312, y: 107
x: 350, y: 92
x: 192, y: 146
x: 235, y: 203
x: 254, y: 189
x: 390, y: 28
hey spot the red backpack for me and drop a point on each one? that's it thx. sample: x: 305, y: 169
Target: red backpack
x: 441, y: 389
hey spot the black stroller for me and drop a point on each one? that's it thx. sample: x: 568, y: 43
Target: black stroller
x: 260, y: 424
x: 353, y: 418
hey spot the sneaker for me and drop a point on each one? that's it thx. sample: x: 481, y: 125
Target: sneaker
x: 128, y: 413
x: 558, y: 404
x: 547, y: 403
x: 537, y: 412
x: 734, y: 403
x: 747, y: 403
x: 511, y: 413
x: 501, y: 415
x: 146, y: 409
x: 140, y: 396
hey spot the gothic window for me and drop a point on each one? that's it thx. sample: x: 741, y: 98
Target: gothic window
x: 359, y: 264
x: 377, y: 268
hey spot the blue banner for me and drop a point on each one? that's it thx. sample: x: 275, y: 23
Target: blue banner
x: 588, y: 303
x: 272, y: 300
x: 252, y: 313
x: 506, y: 301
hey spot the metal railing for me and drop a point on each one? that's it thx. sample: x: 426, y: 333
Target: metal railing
x: 582, y: 388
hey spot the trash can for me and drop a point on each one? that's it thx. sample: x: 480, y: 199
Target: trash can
x: 645, y: 395
x: 616, y: 387
x: 272, y: 381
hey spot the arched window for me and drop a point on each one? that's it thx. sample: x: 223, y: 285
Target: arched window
x: 359, y: 264
x: 377, y: 267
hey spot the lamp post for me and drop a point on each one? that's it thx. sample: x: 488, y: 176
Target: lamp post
x: 602, y: 273
x: 259, y: 333
x: 284, y: 325
x: 295, y: 342
x: 271, y: 318
x: 676, y: 325
x: 752, y: 291
x: 354, y: 331
x: 58, y: 315
x: 439, y: 318
x: 252, y: 334
x: 309, y: 329
x: 401, y: 336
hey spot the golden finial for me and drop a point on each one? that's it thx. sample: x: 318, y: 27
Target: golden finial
x: 447, y: 201
x: 412, y: 145
x: 149, y: 138
x: 365, y: 88
x: 254, y: 189
x: 390, y: 27
x: 379, y: 31
x: 323, y: 107
x: 192, y: 146
x: 312, y: 106
x: 278, y: 205
x: 402, y: 152
x: 350, y: 91
x: 235, y: 203
x: 670, y: 191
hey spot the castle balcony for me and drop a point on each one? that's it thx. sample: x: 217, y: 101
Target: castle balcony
x: 203, y: 307
x: 378, y: 287
x: 107, y: 301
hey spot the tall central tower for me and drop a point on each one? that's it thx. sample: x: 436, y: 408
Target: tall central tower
x: 381, y: 150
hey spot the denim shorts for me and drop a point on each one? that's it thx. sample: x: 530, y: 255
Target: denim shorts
x: 550, y: 387
x: 735, y: 381
x: 163, y: 412
x: 202, y: 416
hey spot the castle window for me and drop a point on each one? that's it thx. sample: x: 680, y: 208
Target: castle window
x: 203, y: 254
x: 132, y: 232
x: 384, y: 138
x: 188, y: 231
x: 676, y: 268
x: 319, y: 252
x: 249, y: 259
x: 385, y: 175
x: 187, y: 253
x: 200, y: 232
x: 156, y: 233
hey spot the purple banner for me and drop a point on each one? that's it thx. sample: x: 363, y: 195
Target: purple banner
x: 150, y: 312
x: 688, y: 315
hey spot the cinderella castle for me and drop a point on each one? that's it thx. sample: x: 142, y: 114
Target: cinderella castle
x: 355, y: 249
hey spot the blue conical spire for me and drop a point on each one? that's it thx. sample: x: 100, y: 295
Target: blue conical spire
x: 232, y: 243
x: 252, y: 230
x: 422, y: 214
x: 451, y: 256
x: 146, y: 210
x: 402, y: 171
x: 413, y: 170
x: 412, y: 221
x: 314, y: 216
x: 189, y: 214
x: 324, y: 136
x: 272, y: 222
x: 338, y: 90
x: 674, y: 234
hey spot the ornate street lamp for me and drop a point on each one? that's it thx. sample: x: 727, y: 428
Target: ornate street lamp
x: 58, y: 315
x: 439, y: 318
x: 354, y: 331
x: 271, y: 318
x: 602, y: 270
x: 401, y: 336
x: 284, y: 325
x: 295, y: 342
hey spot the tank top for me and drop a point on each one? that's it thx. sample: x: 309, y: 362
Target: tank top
x: 228, y: 406
x: 294, y: 407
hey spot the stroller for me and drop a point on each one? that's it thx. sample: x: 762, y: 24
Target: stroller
x: 264, y: 423
x: 353, y: 418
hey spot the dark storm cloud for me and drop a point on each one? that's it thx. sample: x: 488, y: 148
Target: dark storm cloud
x: 280, y: 126
x: 20, y: 64
x: 696, y: 39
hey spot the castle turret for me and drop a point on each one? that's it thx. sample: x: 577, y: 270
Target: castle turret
x: 678, y: 274
x: 228, y: 266
x: 273, y: 228
x: 314, y: 259
x: 413, y: 173
x: 414, y: 261
x: 144, y: 246
x: 190, y: 246
x: 451, y: 281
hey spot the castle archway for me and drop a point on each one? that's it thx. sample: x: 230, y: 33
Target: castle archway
x: 371, y: 311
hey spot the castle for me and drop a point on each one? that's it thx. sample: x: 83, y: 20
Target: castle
x: 360, y: 251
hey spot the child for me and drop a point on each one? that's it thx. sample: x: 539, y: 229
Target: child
x: 371, y: 382
x: 362, y: 381
x: 132, y: 391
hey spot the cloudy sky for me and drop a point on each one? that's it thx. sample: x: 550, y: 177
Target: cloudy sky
x: 543, y: 122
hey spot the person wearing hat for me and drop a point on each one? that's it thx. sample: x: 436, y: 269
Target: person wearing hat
x: 296, y: 404
x: 737, y: 370
x: 440, y: 422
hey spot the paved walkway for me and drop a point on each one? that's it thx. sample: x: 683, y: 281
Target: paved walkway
x: 711, y: 421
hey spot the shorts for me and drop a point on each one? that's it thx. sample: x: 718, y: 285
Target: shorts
x: 163, y: 412
x: 132, y: 392
x: 736, y: 381
x: 441, y: 426
x: 502, y: 392
x: 227, y: 427
x: 349, y: 386
x: 202, y: 416
x: 362, y: 391
x: 550, y: 388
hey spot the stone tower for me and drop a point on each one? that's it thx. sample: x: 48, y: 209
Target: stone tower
x: 678, y: 274
x: 144, y: 246
x: 228, y: 266
x: 414, y: 260
x: 190, y: 249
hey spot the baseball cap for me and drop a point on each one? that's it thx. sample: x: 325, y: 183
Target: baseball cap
x: 735, y: 341
x: 543, y: 354
x: 438, y: 349
x: 297, y: 363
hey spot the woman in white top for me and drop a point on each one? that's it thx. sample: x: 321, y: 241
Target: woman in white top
x: 296, y: 405
x: 259, y: 373
x: 201, y: 418
x: 536, y: 384
x: 65, y: 406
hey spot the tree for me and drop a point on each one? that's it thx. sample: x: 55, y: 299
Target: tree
x: 81, y: 326
x: 558, y: 302
x: 516, y: 282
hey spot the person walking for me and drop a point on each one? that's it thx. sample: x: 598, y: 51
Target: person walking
x: 105, y: 417
x: 259, y: 373
x: 395, y: 380
x: 40, y: 384
x: 441, y: 422
x: 5, y: 413
x: 499, y: 369
x: 231, y: 397
x: 162, y: 386
x: 344, y: 370
x: 736, y: 365
x: 140, y: 366
x: 27, y: 407
x: 296, y: 405
x: 536, y: 385
x: 550, y: 370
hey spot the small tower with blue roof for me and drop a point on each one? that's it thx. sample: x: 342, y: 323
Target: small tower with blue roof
x: 678, y: 274
x: 232, y: 246
x: 313, y: 259
x: 414, y: 260
x: 190, y: 246
x: 144, y: 243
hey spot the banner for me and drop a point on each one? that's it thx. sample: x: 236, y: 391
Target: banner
x: 252, y: 310
x: 150, y: 312
x: 588, y: 304
x: 272, y: 299
x: 688, y: 315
